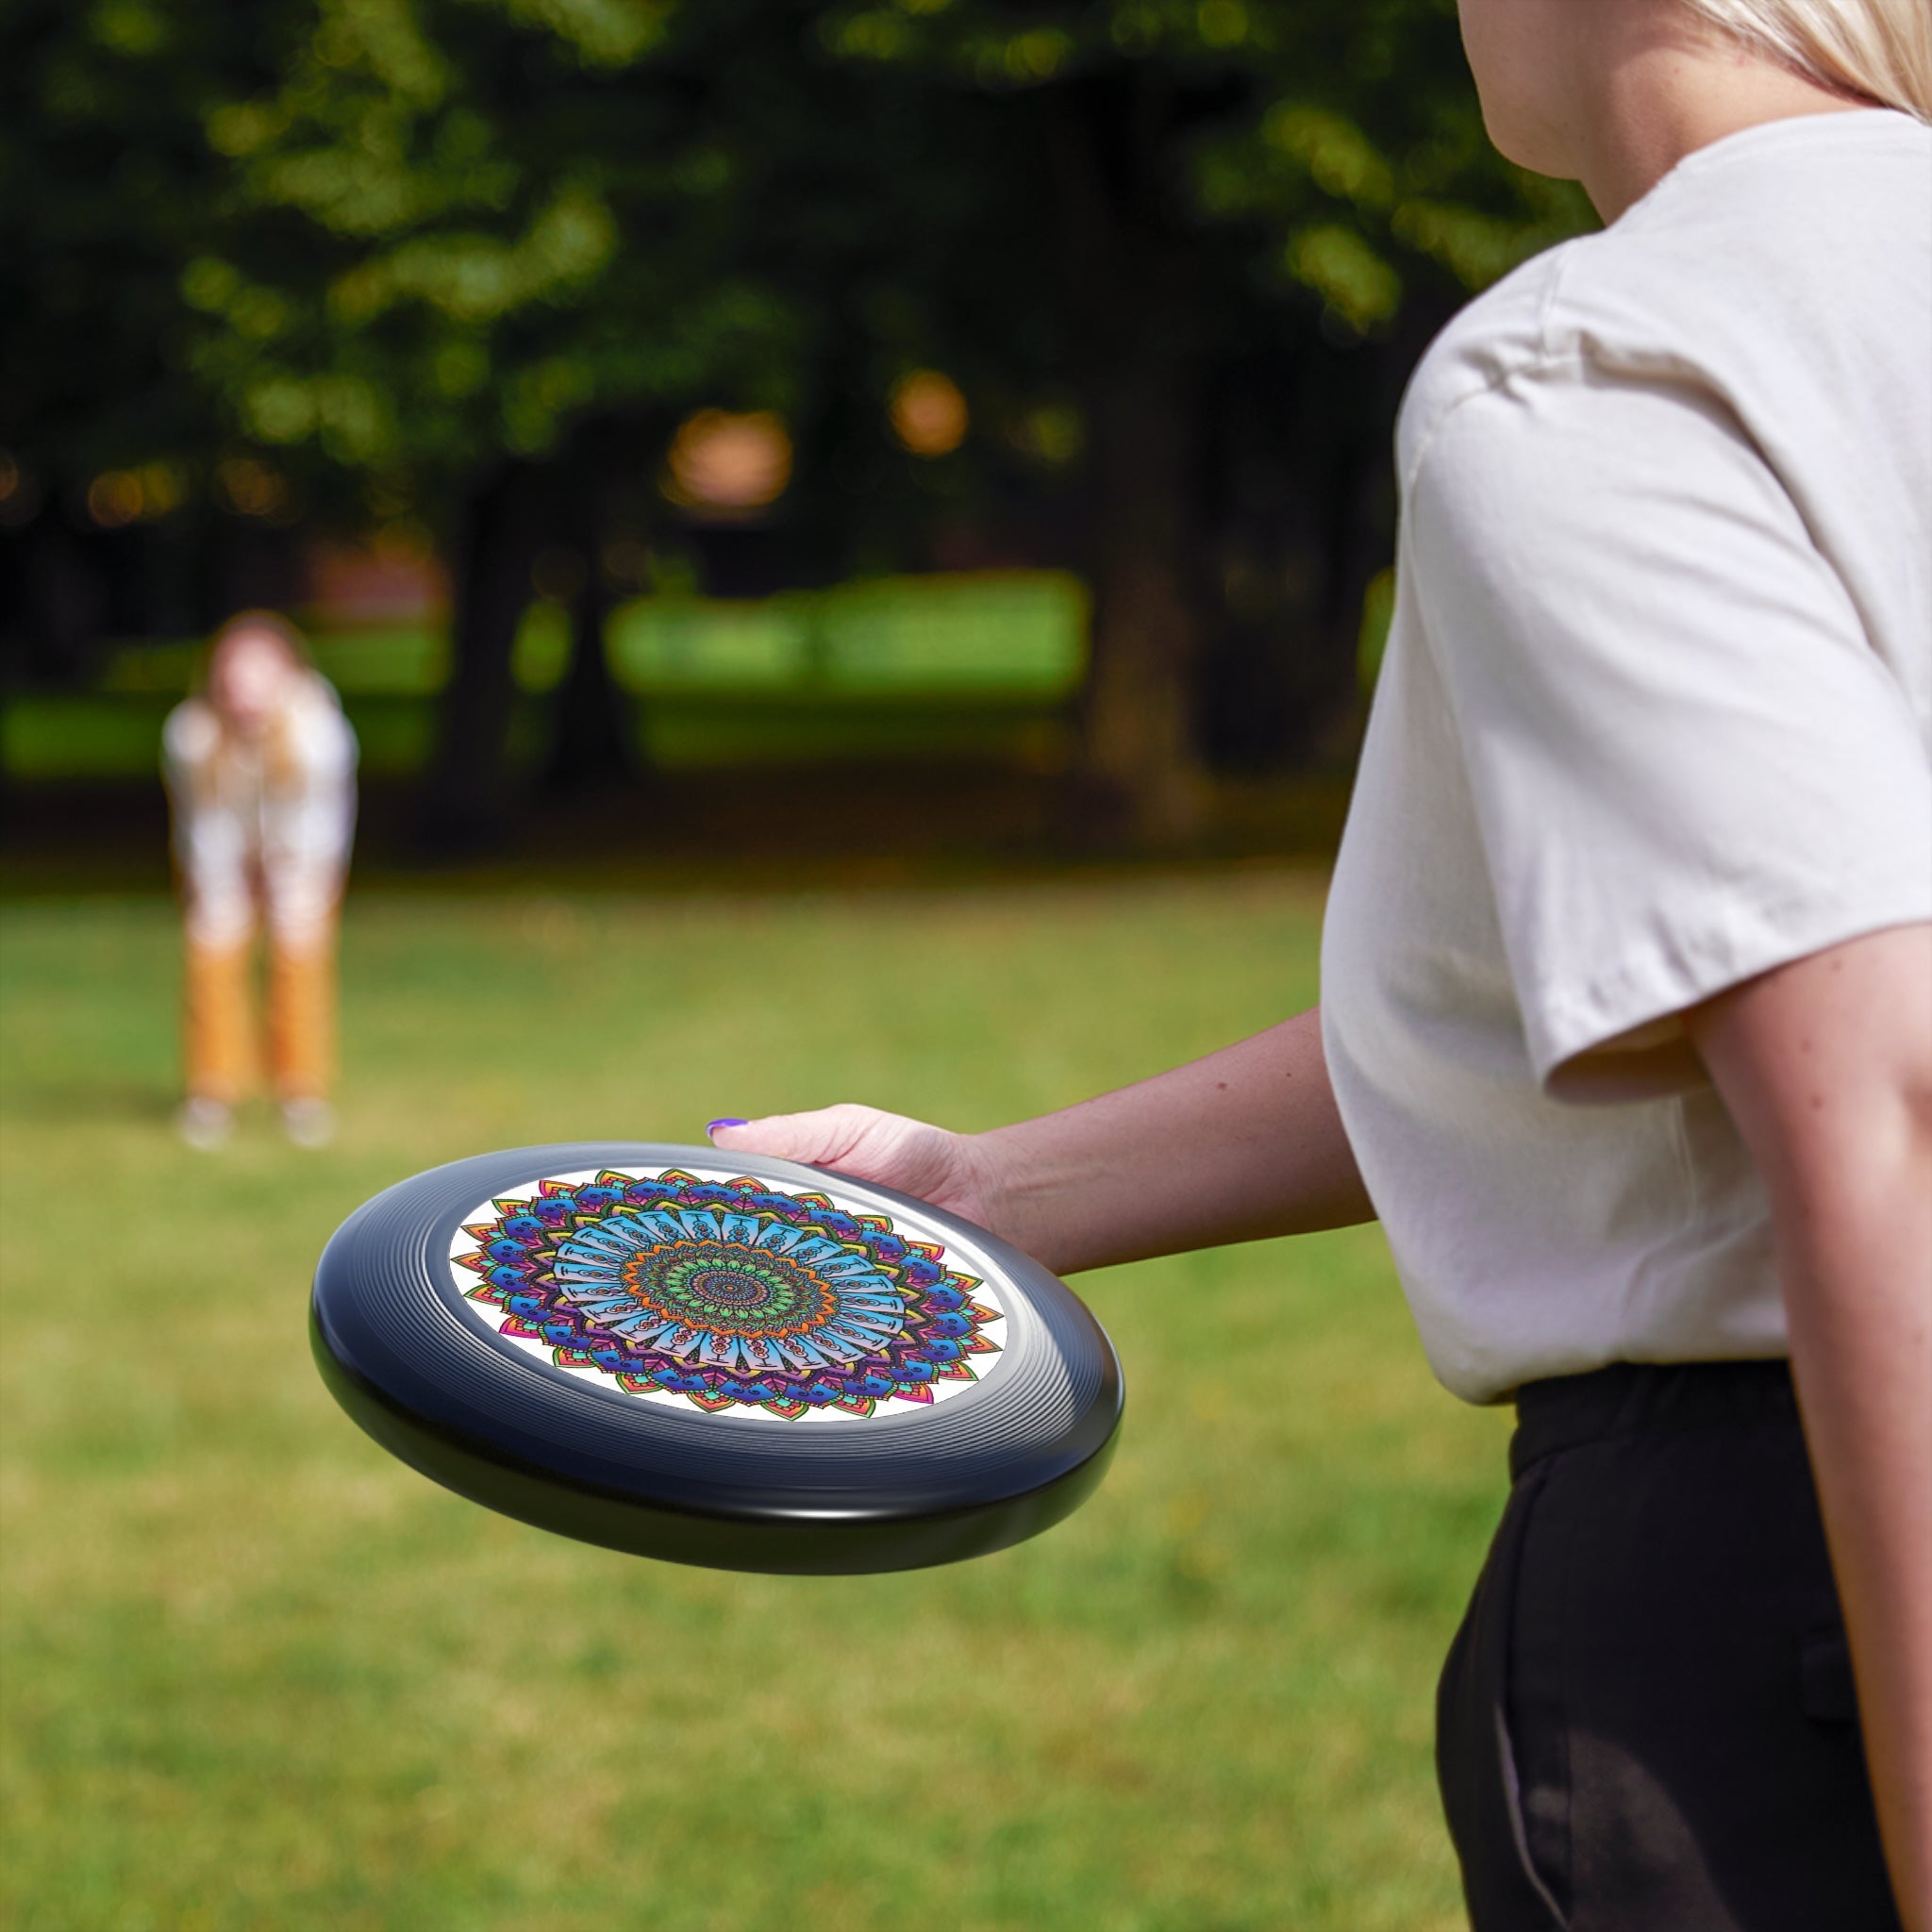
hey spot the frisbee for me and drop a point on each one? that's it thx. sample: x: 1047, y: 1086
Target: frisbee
x: 715, y: 1359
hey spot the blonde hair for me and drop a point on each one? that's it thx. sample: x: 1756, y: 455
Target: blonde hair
x: 1879, y: 50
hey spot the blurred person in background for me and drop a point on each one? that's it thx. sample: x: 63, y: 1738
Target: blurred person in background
x: 1626, y: 1022
x: 260, y: 768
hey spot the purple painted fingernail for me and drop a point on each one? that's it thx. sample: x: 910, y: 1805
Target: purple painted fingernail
x: 713, y: 1127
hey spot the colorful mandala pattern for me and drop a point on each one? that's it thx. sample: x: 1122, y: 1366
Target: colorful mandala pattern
x: 728, y: 1295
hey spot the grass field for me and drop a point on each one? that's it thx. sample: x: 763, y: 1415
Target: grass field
x: 981, y: 664
x: 258, y: 1676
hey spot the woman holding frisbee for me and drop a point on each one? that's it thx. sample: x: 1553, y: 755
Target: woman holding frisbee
x: 260, y: 767
x: 1627, y: 1032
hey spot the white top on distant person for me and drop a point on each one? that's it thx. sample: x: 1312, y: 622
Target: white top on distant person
x: 1629, y: 963
x: 260, y: 767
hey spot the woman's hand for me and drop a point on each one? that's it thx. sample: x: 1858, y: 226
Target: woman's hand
x: 952, y: 1171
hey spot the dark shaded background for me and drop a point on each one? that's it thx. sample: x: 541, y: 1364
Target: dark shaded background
x: 392, y: 313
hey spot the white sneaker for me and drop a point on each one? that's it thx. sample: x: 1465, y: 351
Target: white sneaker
x: 204, y: 1124
x: 309, y: 1121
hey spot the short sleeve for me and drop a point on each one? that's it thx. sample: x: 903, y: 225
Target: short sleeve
x: 1687, y: 762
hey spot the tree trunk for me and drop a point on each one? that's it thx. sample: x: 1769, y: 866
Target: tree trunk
x: 63, y: 603
x: 593, y: 747
x: 1140, y: 736
x: 467, y: 795
x: 1133, y: 306
x: 590, y: 744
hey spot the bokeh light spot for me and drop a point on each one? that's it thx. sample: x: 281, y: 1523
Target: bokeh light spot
x: 114, y: 499
x: 728, y: 464
x: 250, y: 488
x: 929, y: 415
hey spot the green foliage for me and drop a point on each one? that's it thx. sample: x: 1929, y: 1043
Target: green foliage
x: 396, y: 239
x: 108, y: 188
x: 1347, y: 132
x: 259, y: 1674
x: 499, y: 238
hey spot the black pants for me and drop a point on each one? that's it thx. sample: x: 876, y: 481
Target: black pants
x: 1646, y: 1721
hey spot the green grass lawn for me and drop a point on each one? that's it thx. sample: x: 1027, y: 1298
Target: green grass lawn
x: 983, y: 664
x: 257, y: 1675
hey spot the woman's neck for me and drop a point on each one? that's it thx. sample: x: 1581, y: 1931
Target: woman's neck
x: 1657, y: 96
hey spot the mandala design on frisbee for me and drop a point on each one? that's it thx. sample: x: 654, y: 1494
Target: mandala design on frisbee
x: 729, y: 1294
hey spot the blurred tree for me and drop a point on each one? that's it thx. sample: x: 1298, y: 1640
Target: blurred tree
x: 515, y: 237
x: 469, y: 262
x: 1233, y: 195
x: 107, y: 189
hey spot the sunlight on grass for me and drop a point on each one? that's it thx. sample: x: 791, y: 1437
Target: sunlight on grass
x: 258, y: 1676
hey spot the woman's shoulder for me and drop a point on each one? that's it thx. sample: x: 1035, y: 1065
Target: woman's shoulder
x: 192, y: 733
x: 1497, y: 336
x: 316, y: 696
x: 318, y: 730
x: 1763, y: 262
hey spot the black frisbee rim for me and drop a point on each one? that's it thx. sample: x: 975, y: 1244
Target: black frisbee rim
x: 993, y: 1465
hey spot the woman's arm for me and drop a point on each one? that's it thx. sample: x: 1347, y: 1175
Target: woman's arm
x: 1827, y: 1067
x: 1240, y: 1145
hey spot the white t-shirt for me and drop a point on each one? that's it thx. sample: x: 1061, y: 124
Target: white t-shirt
x: 1655, y: 716
x: 249, y: 826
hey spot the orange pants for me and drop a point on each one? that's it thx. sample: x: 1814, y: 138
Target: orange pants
x: 222, y: 1045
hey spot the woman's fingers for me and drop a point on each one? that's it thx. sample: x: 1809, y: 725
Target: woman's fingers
x: 818, y: 1138
x: 870, y: 1145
